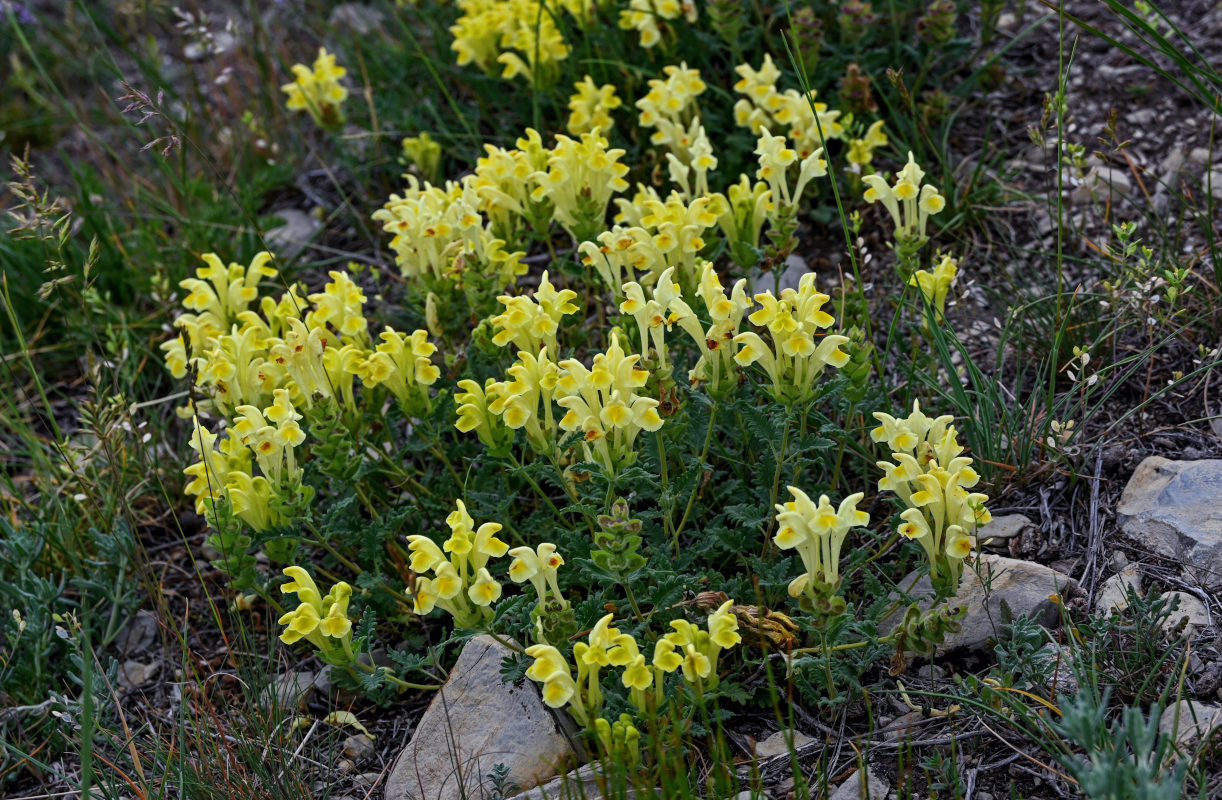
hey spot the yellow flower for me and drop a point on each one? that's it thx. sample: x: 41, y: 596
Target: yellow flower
x: 318, y: 90
x: 538, y: 566
x: 932, y: 478
x: 424, y: 153
x: 580, y: 178
x: 474, y: 413
x: 461, y: 584
x: 909, y: 203
x: 670, y: 107
x: 800, y: 351
x: 591, y: 106
x: 484, y: 591
x: 531, y: 323
x: 322, y: 621
x: 808, y: 123
x: 603, y: 405
x: 817, y: 531
x: 861, y: 151
x: 723, y: 626
x: 935, y: 286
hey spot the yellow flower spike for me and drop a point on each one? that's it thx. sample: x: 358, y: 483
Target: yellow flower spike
x: 909, y: 204
x: 591, y: 106
x: 323, y: 621
x: 932, y: 478
x: 251, y: 499
x: 818, y: 531
x: 341, y: 304
x: 669, y: 107
x: 774, y: 159
x: 474, y: 414
x: 936, y: 285
x: 484, y: 591
x: 586, y: 394
x: 318, y: 90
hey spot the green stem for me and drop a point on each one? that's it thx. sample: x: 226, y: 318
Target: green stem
x: 636, y: 610
x: 369, y: 669
x: 776, y: 482
x: 704, y: 453
x: 317, y: 542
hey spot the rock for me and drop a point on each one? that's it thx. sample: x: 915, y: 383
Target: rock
x: 581, y: 784
x: 136, y: 674
x: 1214, y: 182
x: 1060, y: 676
x: 1174, y: 509
x: 474, y: 723
x: 852, y: 788
x: 322, y: 681
x: 1025, y: 587
x: 292, y: 689
x: 359, y: 18
x: 1100, y: 184
x: 1196, y: 720
x: 1199, y: 155
x: 358, y: 747
x: 903, y: 726
x: 1004, y: 529
x: 138, y: 634
x: 1171, y: 167
x: 775, y: 744
x: 1189, y: 608
x: 1113, y: 592
x: 294, y: 232
x: 932, y: 672
x: 1142, y: 117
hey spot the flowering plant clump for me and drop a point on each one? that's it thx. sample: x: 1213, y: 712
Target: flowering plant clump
x: 318, y: 90
x: 596, y: 320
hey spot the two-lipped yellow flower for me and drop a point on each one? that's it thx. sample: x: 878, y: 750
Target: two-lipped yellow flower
x: 320, y: 620
x: 318, y: 90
